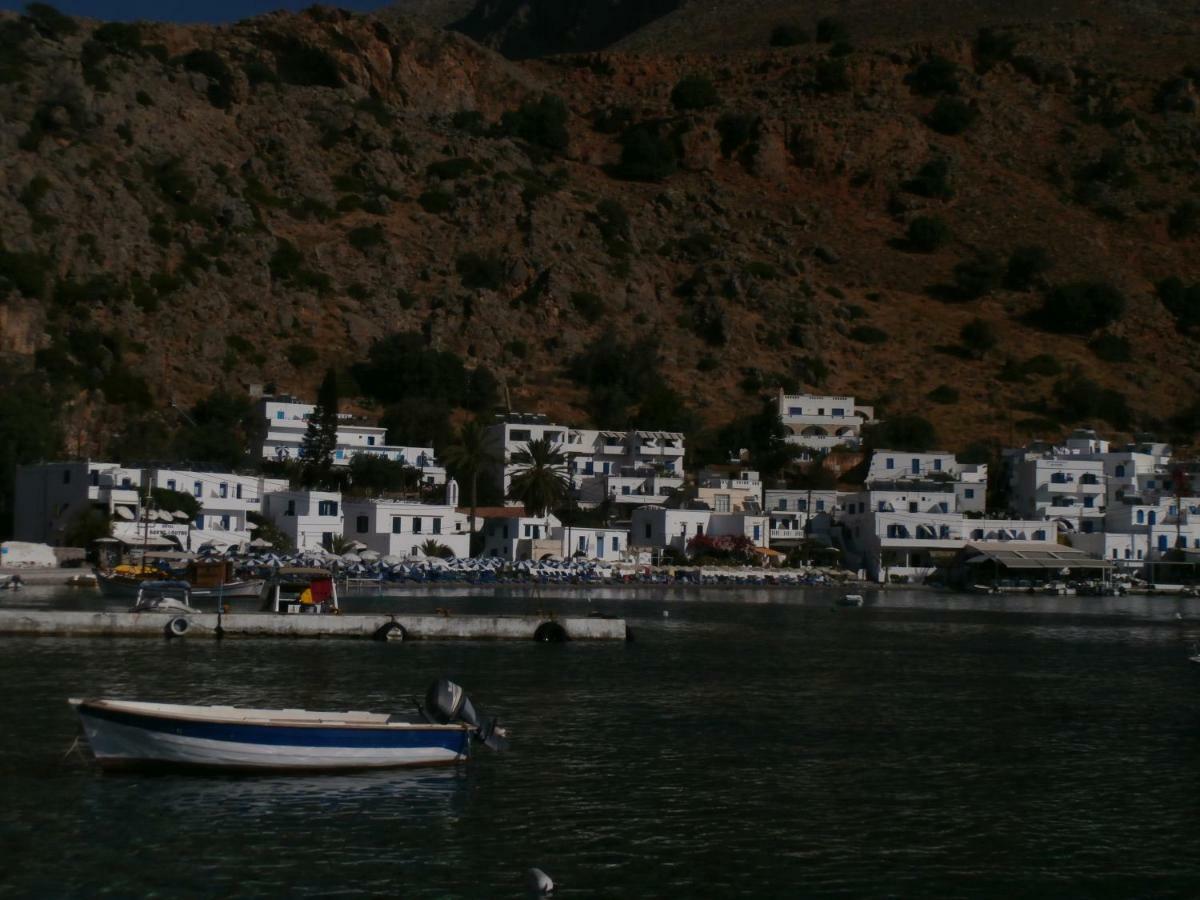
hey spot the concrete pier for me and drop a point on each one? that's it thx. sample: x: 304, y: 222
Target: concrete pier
x: 58, y: 623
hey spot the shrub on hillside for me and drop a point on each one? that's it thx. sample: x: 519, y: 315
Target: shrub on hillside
x: 1111, y: 348
x: 366, y: 237
x: 1026, y: 266
x: 789, y: 35
x: 976, y: 277
x: 992, y: 47
x: 978, y: 337
x: 927, y: 234
x: 449, y: 169
x: 480, y: 272
x: 736, y: 130
x: 541, y: 122
x: 590, y: 306
x: 905, y: 432
x: 1080, y: 307
x: 1181, y: 301
x: 932, y: 180
x: 831, y: 76
x: 24, y: 273
x: 868, y: 334
x: 50, y: 22
x: 210, y: 64
x: 1081, y: 399
x: 646, y: 154
x: 694, y: 92
x: 304, y: 65
x: 436, y: 201
x: 936, y: 75
x: 831, y: 31
x: 943, y: 393
x: 952, y: 116
x: 1184, y: 221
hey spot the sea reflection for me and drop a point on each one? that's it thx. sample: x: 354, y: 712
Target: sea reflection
x: 429, y: 792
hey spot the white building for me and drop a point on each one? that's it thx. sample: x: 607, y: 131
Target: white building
x: 657, y: 527
x: 287, y: 423
x: 910, y: 546
x: 514, y: 536
x: 401, y: 527
x: 821, y: 422
x: 609, y: 544
x: 226, y: 500
x: 799, y: 514
x: 310, y: 519
x: 630, y: 468
x: 49, y: 496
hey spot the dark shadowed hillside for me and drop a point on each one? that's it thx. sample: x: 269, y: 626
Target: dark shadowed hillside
x: 996, y: 230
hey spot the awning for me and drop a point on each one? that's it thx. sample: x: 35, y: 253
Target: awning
x: 1034, y: 556
x: 152, y: 540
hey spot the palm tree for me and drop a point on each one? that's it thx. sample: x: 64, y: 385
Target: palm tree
x: 468, y: 456
x: 540, y: 482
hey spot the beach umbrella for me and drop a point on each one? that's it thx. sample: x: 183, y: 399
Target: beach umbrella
x: 369, y: 555
x: 260, y: 544
x: 351, y: 557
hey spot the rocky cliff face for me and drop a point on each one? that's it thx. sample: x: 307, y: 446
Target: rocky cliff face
x: 521, y: 29
x: 185, y: 208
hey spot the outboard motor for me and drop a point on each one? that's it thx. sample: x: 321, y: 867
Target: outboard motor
x: 446, y: 703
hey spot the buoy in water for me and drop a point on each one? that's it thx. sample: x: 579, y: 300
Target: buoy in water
x: 538, y: 882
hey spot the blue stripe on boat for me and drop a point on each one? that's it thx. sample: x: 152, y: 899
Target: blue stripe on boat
x: 286, y: 735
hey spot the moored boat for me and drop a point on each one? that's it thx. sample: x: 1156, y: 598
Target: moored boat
x: 126, y: 580
x: 163, y: 597
x: 302, y: 589
x: 124, y: 733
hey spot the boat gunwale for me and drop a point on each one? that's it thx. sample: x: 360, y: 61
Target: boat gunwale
x: 138, y: 708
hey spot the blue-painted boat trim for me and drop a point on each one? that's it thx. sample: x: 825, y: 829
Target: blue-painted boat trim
x: 287, y: 735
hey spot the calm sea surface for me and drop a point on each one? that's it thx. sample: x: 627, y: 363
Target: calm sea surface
x: 926, y: 746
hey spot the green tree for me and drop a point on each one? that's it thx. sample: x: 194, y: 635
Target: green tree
x: 434, y: 547
x: 694, y: 92
x: 29, y: 432
x: 467, y: 457
x: 540, y: 481
x: 86, y: 526
x: 320, y: 439
x: 372, y: 475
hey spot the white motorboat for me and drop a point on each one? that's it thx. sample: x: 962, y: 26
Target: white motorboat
x: 163, y: 597
x: 124, y: 733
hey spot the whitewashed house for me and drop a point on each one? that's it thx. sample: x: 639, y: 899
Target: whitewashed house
x: 402, y: 527
x: 49, y: 496
x: 821, y: 422
x: 226, y: 501
x: 658, y: 527
x: 799, y: 514
x: 287, y: 423
x: 602, y: 544
x: 629, y: 468
x: 311, y: 519
x: 511, y: 535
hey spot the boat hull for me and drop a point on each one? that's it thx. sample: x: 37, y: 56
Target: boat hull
x: 231, y: 590
x: 122, y: 738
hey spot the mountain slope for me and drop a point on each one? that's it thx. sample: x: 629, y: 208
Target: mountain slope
x: 217, y: 207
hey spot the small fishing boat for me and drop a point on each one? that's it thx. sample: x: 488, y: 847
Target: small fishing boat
x: 216, y: 580
x: 302, y: 589
x: 125, y: 581
x: 126, y: 734
x: 163, y: 597
x: 850, y: 600
x: 11, y: 582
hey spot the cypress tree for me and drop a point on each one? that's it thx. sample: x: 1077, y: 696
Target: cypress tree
x: 320, y: 440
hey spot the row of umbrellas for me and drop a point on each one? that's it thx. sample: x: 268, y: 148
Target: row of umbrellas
x: 364, y: 563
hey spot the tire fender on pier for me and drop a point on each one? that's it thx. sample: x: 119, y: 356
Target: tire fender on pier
x: 550, y: 633
x: 390, y: 631
x: 177, y: 627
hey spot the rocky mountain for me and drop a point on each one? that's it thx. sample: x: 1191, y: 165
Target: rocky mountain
x: 996, y: 230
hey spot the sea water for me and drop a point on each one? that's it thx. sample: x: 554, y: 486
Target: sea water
x: 752, y: 744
